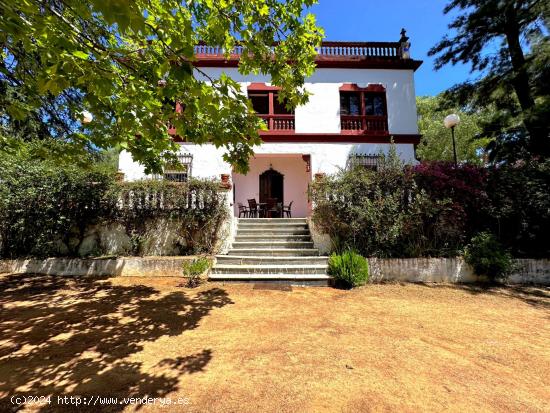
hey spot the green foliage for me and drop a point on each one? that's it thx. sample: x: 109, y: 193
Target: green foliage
x: 193, y: 269
x: 506, y: 43
x: 128, y: 62
x: 487, y: 256
x: 385, y: 213
x: 349, y: 269
x: 520, y: 198
x: 46, y: 206
x: 196, y: 208
x: 437, y: 145
x: 42, y: 204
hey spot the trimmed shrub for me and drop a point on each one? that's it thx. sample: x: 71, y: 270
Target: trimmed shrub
x: 193, y: 269
x: 349, y: 269
x: 487, y: 256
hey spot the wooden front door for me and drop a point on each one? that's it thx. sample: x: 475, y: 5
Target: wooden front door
x: 271, y: 185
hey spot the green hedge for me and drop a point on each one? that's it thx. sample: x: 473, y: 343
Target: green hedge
x: 435, y: 209
x: 44, y: 205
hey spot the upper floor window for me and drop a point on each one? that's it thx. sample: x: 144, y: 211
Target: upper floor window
x: 265, y: 102
x: 363, y: 109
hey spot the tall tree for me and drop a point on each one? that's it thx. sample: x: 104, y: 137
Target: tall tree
x: 436, y: 143
x: 507, y: 41
x: 128, y: 62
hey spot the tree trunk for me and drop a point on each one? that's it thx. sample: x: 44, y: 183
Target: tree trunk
x: 536, y: 127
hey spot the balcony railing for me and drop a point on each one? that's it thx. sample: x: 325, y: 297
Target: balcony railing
x: 279, y: 122
x: 327, y: 49
x: 360, y: 123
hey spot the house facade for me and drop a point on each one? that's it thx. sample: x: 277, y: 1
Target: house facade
x: 362, y: 98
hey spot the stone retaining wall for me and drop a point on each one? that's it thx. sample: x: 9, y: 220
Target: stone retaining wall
x: 448, y: 270
x: 100, y: 267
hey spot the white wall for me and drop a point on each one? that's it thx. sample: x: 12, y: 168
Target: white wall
x: 322, y: 113
x: 327, y: 158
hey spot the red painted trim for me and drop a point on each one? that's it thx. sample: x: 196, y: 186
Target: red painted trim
x: 352, y: 87
x: 324, y: 62
x: 286, y: 137
x: 269, y: 137
x: 262, y: 87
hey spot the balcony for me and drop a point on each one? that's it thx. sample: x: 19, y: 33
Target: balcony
x: 364, y: 124
x: 279, y: 122
x: 382, y: 55
x: 327, y: 49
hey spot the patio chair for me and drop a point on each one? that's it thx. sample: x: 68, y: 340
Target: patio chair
x: 243, y: 210
x: 271, y: 208
x: 287, y: 209
x: 253, y: 208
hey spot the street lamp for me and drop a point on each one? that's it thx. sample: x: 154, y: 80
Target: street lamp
x: 451, y: 121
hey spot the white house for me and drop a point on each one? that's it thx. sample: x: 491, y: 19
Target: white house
x: 362, y: 97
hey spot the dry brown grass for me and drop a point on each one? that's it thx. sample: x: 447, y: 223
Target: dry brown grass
x: 240, y: 348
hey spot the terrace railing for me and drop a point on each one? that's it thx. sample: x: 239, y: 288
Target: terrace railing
x: 326, y: 50
x: 364, y: 123
x: 279, y: 122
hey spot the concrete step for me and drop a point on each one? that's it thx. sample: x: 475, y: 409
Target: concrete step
x: 273, y: 244
x: 267, y: 237
x: 272, y: 220
x: 268, y: 252
x: 291, y: 279
x: 272, y: 226
x: 273, y: 231
x: 269, y: 260
x: 270, y: 269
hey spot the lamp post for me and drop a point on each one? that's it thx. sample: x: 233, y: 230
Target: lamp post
x: 451, y: 121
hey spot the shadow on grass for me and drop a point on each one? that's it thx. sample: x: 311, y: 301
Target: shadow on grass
x: 537, y: 296
x: 65, y: 336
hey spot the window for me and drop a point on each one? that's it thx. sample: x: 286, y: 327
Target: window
x: 179, y: 171
x: 265, y: 102
x: 363, y: 109
x: 364, y: 161
x: 280, y: 108
x: 350, y: 103
x: 260, y: 102
x: 375, y: 104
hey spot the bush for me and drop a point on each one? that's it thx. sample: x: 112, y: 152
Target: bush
x: 193, y: 269
x: 520, y: 199
x: 195, y: 207
x: 349, y: 269
x: 42, y: 204
x: 385, y: 213
x: 50, y: 209
x: 487, y: 256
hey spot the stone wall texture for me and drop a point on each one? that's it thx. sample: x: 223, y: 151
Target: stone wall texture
x: 429, y: 270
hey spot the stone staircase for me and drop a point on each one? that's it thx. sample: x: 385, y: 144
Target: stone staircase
x: 272, y: 250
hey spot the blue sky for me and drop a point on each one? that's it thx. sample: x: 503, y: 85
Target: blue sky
x: 382, y: 20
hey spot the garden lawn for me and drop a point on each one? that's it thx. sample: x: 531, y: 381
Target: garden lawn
x: 252, y: 348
